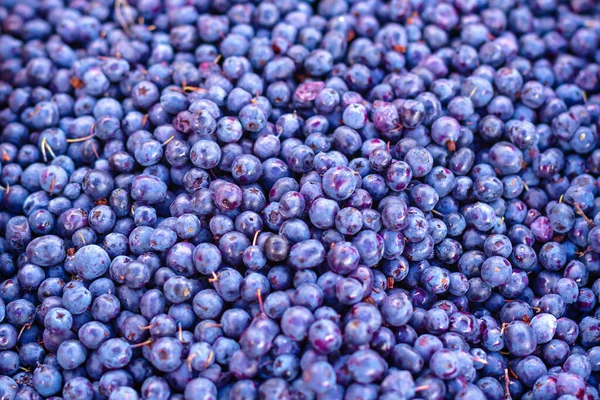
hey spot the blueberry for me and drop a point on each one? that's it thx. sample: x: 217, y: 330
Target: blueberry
x: 210, y: 191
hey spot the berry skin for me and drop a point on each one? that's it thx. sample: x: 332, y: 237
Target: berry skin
x: 339, y: 183
x: 47, y: 250
x: 91, y: 262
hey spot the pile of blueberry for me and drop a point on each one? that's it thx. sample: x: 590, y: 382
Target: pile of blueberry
x: 297, y: 199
